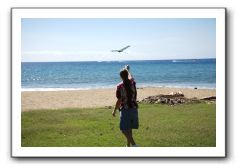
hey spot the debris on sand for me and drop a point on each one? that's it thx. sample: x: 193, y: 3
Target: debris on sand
x: 172, y: 99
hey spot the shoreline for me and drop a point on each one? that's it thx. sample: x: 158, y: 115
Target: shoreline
x: 112, y: 87
x: 91, y: 98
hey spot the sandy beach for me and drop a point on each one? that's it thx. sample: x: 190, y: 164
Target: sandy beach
x: 36, y: 100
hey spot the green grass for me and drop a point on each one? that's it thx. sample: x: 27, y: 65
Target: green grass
x: 189, y: 125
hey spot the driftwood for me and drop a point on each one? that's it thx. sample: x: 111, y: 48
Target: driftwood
x: 212, y: 98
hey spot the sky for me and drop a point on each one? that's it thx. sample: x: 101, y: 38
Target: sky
x: 92, y: 39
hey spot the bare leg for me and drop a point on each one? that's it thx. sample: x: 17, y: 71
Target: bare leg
x: 126, y: 134
x: 130, y: 137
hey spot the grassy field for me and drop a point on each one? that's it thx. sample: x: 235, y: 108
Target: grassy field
x: 160, y: 126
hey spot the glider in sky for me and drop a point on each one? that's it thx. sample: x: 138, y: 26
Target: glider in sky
x: 120, y: 50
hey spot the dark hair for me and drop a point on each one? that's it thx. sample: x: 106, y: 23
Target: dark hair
x: 127, y: 85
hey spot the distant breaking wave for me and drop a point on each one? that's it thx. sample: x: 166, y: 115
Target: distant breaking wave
x: 183, y: 60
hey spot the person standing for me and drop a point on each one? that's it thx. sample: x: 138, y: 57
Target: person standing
x: 126, y: 103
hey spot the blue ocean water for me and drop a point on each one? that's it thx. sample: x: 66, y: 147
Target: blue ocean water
x: 199, y: 73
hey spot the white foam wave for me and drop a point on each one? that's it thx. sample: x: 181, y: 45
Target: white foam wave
x: 59, y: 89
x: 183, y: 61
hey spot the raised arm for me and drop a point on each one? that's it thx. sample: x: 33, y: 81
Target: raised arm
x: 129, y: 73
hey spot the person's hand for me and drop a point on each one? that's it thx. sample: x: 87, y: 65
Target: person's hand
x: 113, y: 113
x: 127, y: 67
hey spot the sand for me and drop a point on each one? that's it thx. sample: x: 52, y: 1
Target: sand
x: 37, y: 100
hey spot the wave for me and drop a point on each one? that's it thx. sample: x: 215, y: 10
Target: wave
x: 200, y: 86
x: 190, y: 86
x: 60, y: 89
x: 183, y: 61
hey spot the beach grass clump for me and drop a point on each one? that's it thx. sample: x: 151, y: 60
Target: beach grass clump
x: 186, y: 125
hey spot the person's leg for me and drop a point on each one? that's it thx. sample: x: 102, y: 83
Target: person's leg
x: 124, y: 124
x: 131, y: 137
x: 134, y: 124
x: 126, y: 134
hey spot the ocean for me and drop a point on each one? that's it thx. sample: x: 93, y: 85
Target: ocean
x: 191, y: 73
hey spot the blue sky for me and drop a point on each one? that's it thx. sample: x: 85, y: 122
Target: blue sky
x: 93, y: 39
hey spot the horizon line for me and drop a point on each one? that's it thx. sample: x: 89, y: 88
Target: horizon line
x: 122, y: 60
